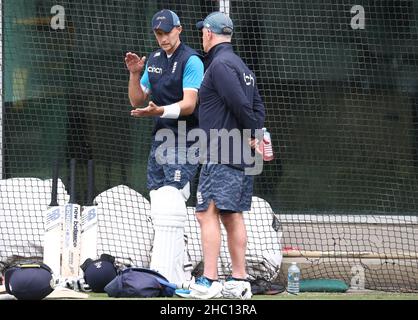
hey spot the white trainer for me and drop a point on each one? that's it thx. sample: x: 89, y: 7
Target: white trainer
x: 234, y: 289
x: 203, y: 288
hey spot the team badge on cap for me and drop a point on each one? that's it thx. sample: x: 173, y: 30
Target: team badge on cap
x: 165, y: 20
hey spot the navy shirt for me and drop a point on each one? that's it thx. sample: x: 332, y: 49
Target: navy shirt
x: 165, y: 76
x: 228, y: 99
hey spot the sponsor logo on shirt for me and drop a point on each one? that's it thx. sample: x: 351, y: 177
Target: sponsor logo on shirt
x: 153, y: 69
x: 249, y: 80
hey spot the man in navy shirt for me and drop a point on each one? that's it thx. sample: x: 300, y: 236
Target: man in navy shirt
x: 172, y: 78
x: 228, y: 100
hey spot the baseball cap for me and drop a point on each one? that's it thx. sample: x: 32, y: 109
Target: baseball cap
x: 217, y: 22
x: 165, y: 20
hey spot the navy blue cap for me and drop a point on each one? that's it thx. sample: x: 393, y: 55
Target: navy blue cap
x: 99, y: 273
x: 217, y: 22
x: 29, y: 281
x: 165, y: 20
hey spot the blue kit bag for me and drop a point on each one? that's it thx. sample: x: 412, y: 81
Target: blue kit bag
x: 140, y: 282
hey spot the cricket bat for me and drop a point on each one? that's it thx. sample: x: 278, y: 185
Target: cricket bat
x: 53, y: 220
x: 89, y: 219
x: 71, y: 231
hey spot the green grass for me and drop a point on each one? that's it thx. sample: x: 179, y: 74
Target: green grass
x: 369, y: 295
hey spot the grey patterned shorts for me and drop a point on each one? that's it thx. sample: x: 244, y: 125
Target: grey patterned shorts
x: 229, y: 188
x: 176, y: 173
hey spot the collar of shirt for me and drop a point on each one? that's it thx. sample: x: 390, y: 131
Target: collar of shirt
x: 213, y: 52
x: 178, y: 49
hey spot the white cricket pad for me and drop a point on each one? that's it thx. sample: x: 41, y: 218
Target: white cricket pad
x: 168, y: 211
x: 23, y: 204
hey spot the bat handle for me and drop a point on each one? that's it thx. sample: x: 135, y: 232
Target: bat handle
x: 54, y: 190
x: 72, y: 180
x: 90, y: 182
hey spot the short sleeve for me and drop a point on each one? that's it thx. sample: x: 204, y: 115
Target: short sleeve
x: 193, y: 73
x: 145, y: 84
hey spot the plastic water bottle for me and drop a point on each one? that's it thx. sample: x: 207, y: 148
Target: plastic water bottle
x: 265, y: 147
x: 293, y: 275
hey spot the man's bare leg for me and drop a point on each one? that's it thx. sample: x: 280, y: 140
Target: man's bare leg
x: 210, y: 229
x: 237, y: 242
